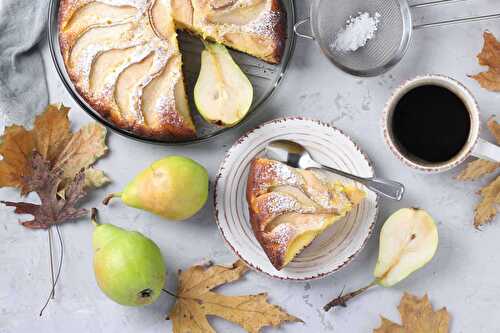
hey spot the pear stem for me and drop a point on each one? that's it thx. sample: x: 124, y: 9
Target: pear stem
x: 205, y: 43
x: 93, y: 216
x: 110, y: 196
x: 342, y: 299
x: 170, y: 293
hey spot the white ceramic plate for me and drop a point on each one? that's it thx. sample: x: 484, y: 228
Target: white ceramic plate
x: 338, y: 245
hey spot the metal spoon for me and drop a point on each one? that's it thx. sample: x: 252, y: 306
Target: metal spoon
x: 296, y: 156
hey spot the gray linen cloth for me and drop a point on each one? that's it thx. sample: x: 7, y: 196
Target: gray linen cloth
x: 23, y: 87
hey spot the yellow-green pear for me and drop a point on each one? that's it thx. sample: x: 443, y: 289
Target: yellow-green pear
x: 223, y: 94
x: 128, y: 266
x: 408, y: 241
x: 174, y: 187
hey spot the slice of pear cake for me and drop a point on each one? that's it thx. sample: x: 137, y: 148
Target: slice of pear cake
x: 290, y: 207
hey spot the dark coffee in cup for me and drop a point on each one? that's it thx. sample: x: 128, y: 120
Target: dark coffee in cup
x: 431, y: 123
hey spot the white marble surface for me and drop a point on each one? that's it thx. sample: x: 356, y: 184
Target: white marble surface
x: 464, y: 275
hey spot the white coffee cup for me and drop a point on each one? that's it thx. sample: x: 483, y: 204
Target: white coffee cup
x: 474, y: 145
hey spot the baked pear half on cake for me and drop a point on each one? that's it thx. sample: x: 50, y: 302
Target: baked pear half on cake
x: 290, y: 207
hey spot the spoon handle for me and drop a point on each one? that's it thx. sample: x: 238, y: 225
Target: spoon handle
x: 388, y: 188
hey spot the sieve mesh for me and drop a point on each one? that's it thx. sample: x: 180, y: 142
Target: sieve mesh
x: 386, y: 48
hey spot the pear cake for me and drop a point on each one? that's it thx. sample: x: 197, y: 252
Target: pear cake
x: 255, y: 27
x: 123, y: 56
x: 290, y: 207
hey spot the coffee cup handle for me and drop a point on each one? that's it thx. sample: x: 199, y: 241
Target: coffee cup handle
x: 487, y: 151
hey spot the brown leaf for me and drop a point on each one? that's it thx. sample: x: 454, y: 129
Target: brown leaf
x: 489, y: 56
x: 53, y: 139
x: 16, y: 147
x: 487, y: 209
x: 196, y: 301
x: 417, y: 316
x: 477, y: 169
x: 95, y: 178
x: 51, y: 210
x: 388, y: 326
x: 494, y: 128
x: 82, y: 150
x: 52, y: 131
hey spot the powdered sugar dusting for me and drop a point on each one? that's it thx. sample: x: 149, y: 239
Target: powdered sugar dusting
x: 83, y: 66
x: 109, y: 87
x: 284, y: 174
x: 263, y: 24
x: 282, y: 235
x: 278, y: 203
x: 321, y: 196
x: 159, y: 61
x: 357, y: 32
x: 166, y: 102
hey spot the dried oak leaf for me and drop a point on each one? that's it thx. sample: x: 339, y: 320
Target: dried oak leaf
x: 489, y: 56
x: 494, y: 128
x: 82, y: 150
x: 417, y: 316
x: 487, y: 209
x: 196, y: 301
x: 479, y: 168
x: 52, y: 132
x: 52, y: 210
x: 95, y: 178
x: 16, y: 147
x: 51, y: 136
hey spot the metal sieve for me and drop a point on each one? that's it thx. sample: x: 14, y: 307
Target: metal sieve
x: 392, y: 39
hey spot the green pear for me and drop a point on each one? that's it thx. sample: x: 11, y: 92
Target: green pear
x: 174, y: 187
x: 408, y: 240
x: 128, y: 266
x: 223, y: 94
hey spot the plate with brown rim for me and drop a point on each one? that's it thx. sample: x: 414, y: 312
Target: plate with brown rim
x: 335, y: 247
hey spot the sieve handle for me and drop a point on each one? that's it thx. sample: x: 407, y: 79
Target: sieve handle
x: 457, y: 21
x: 434, y: 3
x: 297, y: 26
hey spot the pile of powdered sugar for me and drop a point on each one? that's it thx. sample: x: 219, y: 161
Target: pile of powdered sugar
x: 357, y: 32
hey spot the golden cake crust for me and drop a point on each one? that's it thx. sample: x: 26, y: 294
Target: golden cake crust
x: 271, y: 205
